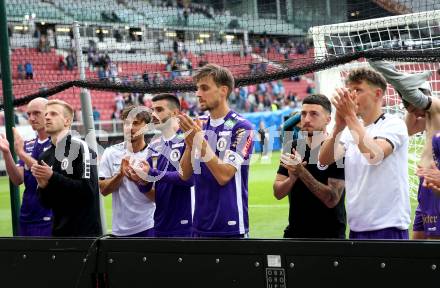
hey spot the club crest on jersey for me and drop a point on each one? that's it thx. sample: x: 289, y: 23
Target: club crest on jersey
x: 175, y: 155
x: 64, y: 164
x: 221, y: 144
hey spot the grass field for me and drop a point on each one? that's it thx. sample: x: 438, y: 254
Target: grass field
x: 268, y: 216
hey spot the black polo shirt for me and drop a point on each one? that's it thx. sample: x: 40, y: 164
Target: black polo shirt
x: 72, y: 192
x: 309, y: 217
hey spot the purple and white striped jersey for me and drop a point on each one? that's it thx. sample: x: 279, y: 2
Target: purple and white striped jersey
x: 223, y: 210
x: 174, y: 197
x: 31, y: 208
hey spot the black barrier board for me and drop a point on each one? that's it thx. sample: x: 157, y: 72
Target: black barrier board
x: 135, y: 262
x: 269, y: 263
x: 38, y: 262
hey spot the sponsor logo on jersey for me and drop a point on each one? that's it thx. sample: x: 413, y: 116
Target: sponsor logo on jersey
x: 177, y: 145
x: 225, y: 133
x: 247, y: 146
x: 229, y: 123
x: 238, y: 137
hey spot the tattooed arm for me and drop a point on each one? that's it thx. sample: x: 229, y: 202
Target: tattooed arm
x: 329, y: 194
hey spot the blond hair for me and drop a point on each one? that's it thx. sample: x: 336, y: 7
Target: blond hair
x: 68, y: 109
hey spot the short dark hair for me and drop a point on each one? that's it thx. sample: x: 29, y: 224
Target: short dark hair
x: 142, y: 113
x: 319, y: 99
x: 170, y: 98
x: 220, y: 75
x: 368, y: 75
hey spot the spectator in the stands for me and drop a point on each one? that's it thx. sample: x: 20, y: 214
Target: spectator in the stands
x: 29, y: 70
x: 146, y: 78
x: 37, y: 33
x: 117, y: 35
x: 43, y: 44
x: 100, y: 34
x: 186, y: 16
x: 70, y: 61
x: 20, y: 71
x: 180, y: 8
x: 119, y: 102
x: 128, y: 99
x: 102, y: 75
x: 61, y: 63
x: 96, y: 114
x: 157, y: 79
x: 113, y: 73
x: 116, y: 115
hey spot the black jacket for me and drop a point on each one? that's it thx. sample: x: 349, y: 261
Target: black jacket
x: 73, y: 191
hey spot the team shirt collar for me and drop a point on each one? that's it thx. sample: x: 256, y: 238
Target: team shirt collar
x: 217, y: 122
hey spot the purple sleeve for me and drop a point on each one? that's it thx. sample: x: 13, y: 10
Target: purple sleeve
x: 242, y: 140
x: 145, y: 188
x: 172, y: 177
x: 20, y: 163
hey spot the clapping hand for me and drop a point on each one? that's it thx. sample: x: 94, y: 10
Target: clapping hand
x: 292, y: 162
x: 431, y: 177
x: 42, y: 173
x: 345, y: 102
x: 4, y: 144
x: 139, y: 171
x: 192, y: 129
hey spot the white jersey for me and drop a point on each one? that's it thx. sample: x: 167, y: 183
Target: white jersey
x: 378, y: 195
x: 132, y: 211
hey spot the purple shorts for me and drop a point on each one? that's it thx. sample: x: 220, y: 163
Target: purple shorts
x: 184, y: 234
x: 145, y: 233
x: 387, y: 233
x: 198, y: 235
x: 35, y: 229
x: 427, y: 212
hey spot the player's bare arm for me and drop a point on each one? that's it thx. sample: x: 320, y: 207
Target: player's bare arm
x: 332, y: 150
x: 373, y: 149
x: 110, y: 185
x: 414, y: 123
x: 329, y: 194
x: 15, y: 173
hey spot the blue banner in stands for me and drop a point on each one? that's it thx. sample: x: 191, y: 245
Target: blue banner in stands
x: 272, y: 121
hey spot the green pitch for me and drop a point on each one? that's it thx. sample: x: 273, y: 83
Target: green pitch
x: 268, y: 216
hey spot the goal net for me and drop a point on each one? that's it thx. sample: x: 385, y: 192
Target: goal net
x: 405, y: 33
